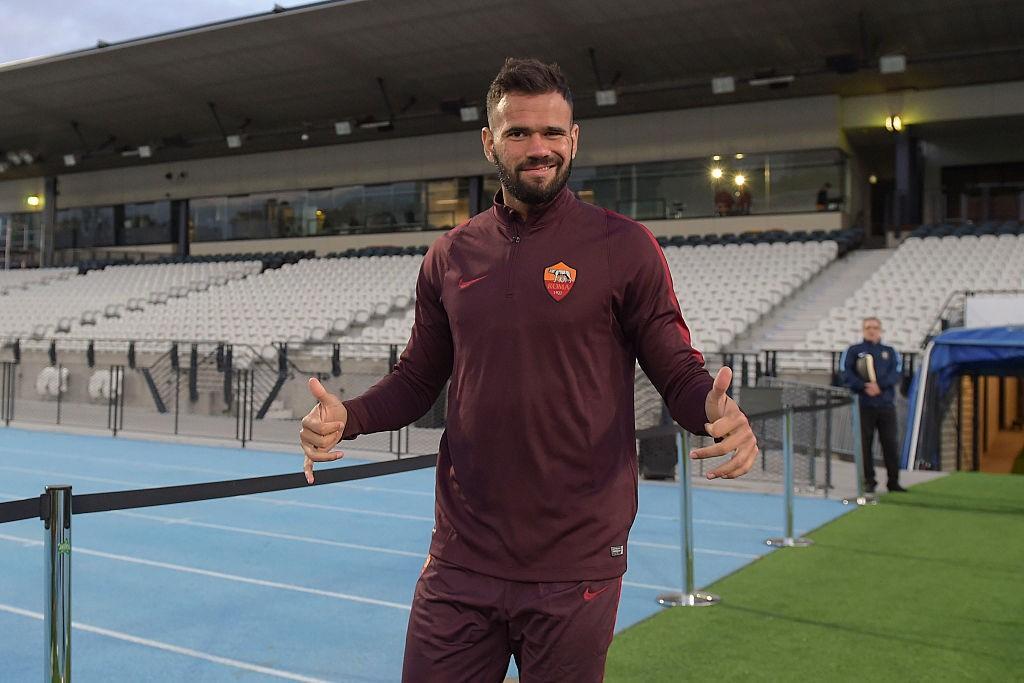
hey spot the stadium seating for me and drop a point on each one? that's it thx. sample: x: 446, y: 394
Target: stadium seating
x: 910, y: 290
x: 11, y: 280
x: 75, y: 306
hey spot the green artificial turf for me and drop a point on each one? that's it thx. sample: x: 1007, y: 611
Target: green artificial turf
x: 924, y: 586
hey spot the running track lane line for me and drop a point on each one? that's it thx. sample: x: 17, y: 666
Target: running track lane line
x: 167, y: 647
x: 27, y: 542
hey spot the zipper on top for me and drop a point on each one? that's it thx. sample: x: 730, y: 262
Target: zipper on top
x: 513, y: 250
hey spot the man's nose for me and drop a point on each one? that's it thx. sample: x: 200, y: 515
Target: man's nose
x: 539, y: 146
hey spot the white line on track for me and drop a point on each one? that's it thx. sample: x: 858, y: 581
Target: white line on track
x: 712, y: 522
x: 167, y: 647
x: 219, y: 575
x: 705, y: 551
x: 650, y: 586
x: 269, y: 534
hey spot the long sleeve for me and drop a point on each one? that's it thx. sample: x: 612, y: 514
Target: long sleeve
x: 850, y: 376
x: 409, y: 391
x: 894, y: 371
x: 650, y: 318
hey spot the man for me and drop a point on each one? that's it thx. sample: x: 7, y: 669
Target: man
x: 537, y: 310
x: 873, y: 370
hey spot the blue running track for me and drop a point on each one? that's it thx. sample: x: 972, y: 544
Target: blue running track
x: 302, y: 585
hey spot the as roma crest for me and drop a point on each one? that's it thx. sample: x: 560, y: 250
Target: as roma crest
x: 559, y: 279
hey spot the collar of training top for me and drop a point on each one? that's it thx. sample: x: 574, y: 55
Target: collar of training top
x: 539, y: 217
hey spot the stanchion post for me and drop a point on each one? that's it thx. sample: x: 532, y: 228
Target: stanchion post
x: 788, y: 540
x: 688, y: 597
x: 57, y: 666
x: 862, y: 498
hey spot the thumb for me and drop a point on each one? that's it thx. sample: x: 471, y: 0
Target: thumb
x: 322, y: 395
x: 722, y: 382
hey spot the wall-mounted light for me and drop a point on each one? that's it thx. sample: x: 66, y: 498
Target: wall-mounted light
x: 723, y: 85
x: 145, y: 151
x: 740, y: 180
x: 70, y: 160
x: 892, y: 64
x: 606, y: 98
x: 873, y: 179
x: 234, y: 141
x: 33, y: 200
x: 717, y: 157
x: 739, y: 156
x: 716, y: 173
x: 468, y: 114
x: 894, y: 123
x: 343, y: 128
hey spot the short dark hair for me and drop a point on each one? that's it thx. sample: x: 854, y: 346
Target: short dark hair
x: 528, y: 77
x: 869, y: 319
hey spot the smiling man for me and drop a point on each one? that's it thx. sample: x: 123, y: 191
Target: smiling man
x: 537, y: 310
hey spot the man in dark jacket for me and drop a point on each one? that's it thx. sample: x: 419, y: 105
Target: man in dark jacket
x: 873, y: 370
x: 537, y: 310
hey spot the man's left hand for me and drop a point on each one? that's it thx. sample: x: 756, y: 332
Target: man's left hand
x: 727, y: 422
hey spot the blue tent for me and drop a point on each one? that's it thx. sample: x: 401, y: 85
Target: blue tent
x: 995, y: 351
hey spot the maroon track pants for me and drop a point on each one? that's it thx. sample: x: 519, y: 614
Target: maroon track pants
x: 464, y: 626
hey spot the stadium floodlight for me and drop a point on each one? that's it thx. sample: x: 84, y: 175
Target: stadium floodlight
x: 723, y: 85
x: 70, y: 160
x: 606, y: 98
x: 740, y: 180
x: 145, y: 151
x: 716, y: 173
x: 892, y: 64
x: 469, y: 114
x: 343, y: 128
x: 234, y: 141
x: 33, y: 200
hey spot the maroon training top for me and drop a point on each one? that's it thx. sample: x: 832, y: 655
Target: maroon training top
x: 539, y: 323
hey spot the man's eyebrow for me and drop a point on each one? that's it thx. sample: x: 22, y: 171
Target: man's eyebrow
x: 525, y: 129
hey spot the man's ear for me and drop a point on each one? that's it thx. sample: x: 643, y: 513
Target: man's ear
x: 487, y: 140
x: 574, y: 134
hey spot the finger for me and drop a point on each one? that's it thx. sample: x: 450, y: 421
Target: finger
x: 726, y: 445
x: 321, y: 394
x: 307, y: 467
x: 737, y: 465
x: 323, y: 442
x: 726, y: 425
x: 318, y: 455
x: 315, y: 425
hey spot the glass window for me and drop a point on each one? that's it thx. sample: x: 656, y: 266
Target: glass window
x: 448, y: 203
x: 147, y: 223
x: 84, y: 227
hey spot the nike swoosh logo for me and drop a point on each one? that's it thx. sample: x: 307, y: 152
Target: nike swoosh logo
x: 588, y: 595
x: 466, y: 283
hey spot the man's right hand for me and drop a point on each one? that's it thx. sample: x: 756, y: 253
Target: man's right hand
x: 322, y: 428
x: 872, y: 389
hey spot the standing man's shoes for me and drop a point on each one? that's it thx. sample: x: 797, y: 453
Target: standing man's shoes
x: 896, y: 488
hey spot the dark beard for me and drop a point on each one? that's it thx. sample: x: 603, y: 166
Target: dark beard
x: 527, y: 194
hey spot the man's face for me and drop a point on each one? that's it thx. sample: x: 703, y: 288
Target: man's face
x: 872, y: 331
x: 531, y: 141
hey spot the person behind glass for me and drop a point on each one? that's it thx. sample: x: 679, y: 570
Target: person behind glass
x: 743, y: 200
x: 723, y: 201
x: 873, y: 370
x: 822, y: 201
